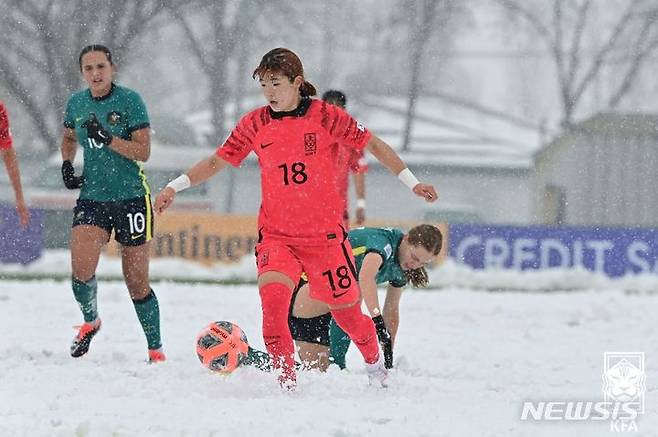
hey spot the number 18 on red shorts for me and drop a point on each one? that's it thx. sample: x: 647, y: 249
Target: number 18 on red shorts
x: 329, y: 267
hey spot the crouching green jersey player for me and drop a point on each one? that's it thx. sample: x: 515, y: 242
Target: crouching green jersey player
x: 111, y: 124
x: 382, y: 255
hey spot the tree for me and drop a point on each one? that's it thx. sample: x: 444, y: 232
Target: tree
x: 564, y: 27
x: 40, y: 44
x: 421, y: 22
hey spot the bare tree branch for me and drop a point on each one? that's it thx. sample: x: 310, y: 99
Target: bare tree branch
x: 531, y: 18
x: 574, y: 78
x: 20, y: 51
x: 638, y: 58
x: 195, y: 44
x: 605, y: 50
x: 574, y: 51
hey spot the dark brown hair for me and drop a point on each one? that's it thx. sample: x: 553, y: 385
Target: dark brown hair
x: 286, y: 62
x: 95, y: 48
x: 431, y: 239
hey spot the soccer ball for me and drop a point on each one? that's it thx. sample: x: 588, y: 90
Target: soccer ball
x: 222, y: 346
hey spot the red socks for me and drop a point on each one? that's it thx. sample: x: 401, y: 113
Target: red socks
x: 275, y: 302
x: 360, y: 329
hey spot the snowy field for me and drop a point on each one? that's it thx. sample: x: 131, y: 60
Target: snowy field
x: 465, y: 362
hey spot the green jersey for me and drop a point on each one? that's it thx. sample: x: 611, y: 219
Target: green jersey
x: 385, y: 242
x: 108, y: 175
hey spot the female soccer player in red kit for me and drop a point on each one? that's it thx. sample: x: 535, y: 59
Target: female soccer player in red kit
x: 296, y: 139
x: 9, y: 156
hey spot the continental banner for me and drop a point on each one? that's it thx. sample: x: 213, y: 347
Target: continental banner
x: 203, y: 237
x: 210, y: 238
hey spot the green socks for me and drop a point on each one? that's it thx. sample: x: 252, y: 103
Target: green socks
x: 148, y: 310
x: 339, y: 343
x: 148, y: 313
x: 258, y: 359
x: 85, y: 294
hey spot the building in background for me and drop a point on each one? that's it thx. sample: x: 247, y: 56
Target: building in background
x: 602, y: 172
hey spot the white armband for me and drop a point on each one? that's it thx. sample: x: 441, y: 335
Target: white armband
x: 180, y: 183
x: 361, y: 203
x: 408, y: 178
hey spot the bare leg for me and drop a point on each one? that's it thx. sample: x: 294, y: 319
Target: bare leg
x: 313, y: 355
x: 86, y: 244
x: 135, y: 263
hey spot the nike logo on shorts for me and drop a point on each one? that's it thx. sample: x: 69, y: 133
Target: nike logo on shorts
x: 337, y: 295
x: 266, y: 145
x: 134, y: 237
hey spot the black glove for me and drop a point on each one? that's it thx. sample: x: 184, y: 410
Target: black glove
x: 68, y: 175
x: 96, y: 131
x: 384, y: 340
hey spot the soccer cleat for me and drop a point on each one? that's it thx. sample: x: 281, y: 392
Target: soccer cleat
x: 156, y: 355
x: 377, y: 373
x: 86, y: 332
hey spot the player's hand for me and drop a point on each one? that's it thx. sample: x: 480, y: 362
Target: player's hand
x: 71, y: 181
x: 23, y: 213
x: 96, y: 131
x: 384, y: 340
x: 164, y: 199
x: 426, y: 191
x: 360, y: 216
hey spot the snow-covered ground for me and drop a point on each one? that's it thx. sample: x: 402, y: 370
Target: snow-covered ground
x: 466, y: 361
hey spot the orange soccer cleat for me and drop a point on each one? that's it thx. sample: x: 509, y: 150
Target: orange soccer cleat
x: 156, y: 355
x: 86, y: 332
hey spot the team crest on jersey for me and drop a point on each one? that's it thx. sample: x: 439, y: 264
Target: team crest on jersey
x: 114, y: 118
x: 310, y: 144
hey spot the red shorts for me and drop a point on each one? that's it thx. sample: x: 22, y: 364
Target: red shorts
x: 330, y: 268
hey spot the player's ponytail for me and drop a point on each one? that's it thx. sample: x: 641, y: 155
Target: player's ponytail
x: 307, y: 89
x: 418, y: 277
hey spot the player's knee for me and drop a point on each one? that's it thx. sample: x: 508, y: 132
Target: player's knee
x: 138, y: 290
x: 82, y: 274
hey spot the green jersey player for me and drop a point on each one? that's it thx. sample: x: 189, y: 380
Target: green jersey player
x: 111, y: 124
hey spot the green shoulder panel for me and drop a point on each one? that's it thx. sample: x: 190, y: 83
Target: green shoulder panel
x: 385, y: 242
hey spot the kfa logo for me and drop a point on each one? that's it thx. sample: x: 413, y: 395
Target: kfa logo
x: 624, y: 382
x: 310, y: 144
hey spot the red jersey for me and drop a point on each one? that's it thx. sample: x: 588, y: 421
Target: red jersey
x: 5, y: 134
x: 350, y: 160
x: 298, y: 156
